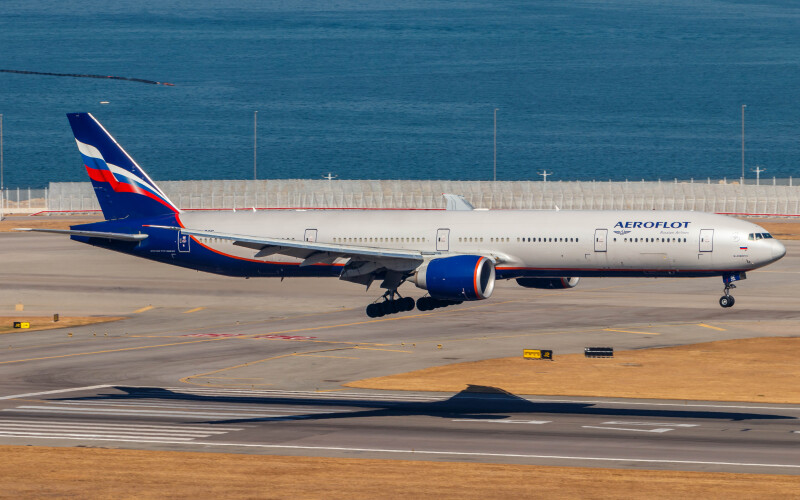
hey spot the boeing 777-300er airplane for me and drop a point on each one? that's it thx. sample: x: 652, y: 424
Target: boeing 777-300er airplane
x: 454, y: 254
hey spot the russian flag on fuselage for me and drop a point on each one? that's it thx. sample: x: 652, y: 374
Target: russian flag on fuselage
x: 123, y: 189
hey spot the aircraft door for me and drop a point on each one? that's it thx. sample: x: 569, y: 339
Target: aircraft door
x: 706, y: 240
x: 443, y: 240
x: 600, y: 237
x: 310, y: 236
x: 183, y: 242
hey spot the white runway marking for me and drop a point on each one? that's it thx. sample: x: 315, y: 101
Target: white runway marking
x: 658, y: 430
x: 57, y: 391
x: 106, y: 432
x: 498, y: 421
x: 663, y: 424
x: 149, y: 413
x: 218, y: 407
x: 495, y: 455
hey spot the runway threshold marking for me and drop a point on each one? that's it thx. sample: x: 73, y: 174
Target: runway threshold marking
x: 144, y: 309
x: 629, y: 331
x: 57, y: 391
x: 193, y: 310
x: 109, y: 350
x: 711, y: 327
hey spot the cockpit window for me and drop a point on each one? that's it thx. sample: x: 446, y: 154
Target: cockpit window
x: 766, y: 236
x: 758, y: 236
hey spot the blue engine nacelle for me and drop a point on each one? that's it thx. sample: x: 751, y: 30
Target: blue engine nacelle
x: 548, y: 283
x: 462, y: 277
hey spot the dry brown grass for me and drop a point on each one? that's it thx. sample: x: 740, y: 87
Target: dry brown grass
x: 721, y: 371
x: 47, y: 323
x: 39, y: 472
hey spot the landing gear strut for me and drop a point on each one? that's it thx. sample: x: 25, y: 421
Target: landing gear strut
x: 392, y: 303
x: 727, y: 300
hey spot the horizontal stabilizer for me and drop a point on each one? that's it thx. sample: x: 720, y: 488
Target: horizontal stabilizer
x: 457, y: 202
x: 88, y: 234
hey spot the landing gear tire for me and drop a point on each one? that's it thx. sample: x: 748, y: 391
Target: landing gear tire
x: 390, y: 305
x: 727, y: 301
x: 374, y: 310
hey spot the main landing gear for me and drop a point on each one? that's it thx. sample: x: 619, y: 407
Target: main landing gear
x: 727, y: 300
x: 392, y: 303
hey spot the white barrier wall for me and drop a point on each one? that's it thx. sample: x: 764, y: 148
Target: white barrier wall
x: 783, y: 200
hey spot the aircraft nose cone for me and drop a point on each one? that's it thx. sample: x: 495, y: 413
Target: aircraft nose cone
x: 778, y: 250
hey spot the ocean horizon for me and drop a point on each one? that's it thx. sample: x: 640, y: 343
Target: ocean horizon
x: 611, y: 90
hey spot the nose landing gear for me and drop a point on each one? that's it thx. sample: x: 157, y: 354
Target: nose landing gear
x: 727, y: 300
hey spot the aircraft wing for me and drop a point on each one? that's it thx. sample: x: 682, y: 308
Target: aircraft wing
x: 363, y: 266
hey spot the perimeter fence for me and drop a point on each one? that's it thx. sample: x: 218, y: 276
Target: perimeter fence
x: 773, y: 198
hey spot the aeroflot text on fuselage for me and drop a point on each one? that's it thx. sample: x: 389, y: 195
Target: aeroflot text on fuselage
x: 651, y: 224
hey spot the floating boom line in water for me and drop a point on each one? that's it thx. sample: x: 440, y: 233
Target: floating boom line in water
x: 75, y: 75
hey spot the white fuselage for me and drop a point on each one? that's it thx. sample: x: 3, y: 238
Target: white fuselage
x: 526, y: 242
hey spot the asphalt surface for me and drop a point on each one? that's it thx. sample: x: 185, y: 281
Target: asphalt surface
x: 209, y: 363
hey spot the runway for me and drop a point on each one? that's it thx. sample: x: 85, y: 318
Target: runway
x: 208, y: 363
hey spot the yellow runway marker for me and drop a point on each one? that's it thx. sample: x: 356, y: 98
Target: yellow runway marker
x: 322, y: 356
x: 143, y: 309
x: 193, y: 310
x: 376, y: 349
x: 712, y: 327
x: 629, y: 331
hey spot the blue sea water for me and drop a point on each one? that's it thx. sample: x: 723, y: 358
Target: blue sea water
x: 586, y: 89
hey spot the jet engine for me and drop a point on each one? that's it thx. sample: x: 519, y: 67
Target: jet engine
x: 548, y: 283
x: 461, y: 277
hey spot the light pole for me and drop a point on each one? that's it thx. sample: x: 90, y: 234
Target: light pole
x: 545, y: 174
x: 255, y: 143
x: 495, y: 145
x: 758, y: 171
x: 743, y: 106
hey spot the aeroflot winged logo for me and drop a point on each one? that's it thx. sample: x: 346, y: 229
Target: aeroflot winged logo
x: 623, y: 228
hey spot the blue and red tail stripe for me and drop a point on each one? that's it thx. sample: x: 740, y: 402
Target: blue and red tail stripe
x: 123, y: 189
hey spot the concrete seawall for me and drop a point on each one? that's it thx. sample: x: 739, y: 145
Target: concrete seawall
x: 719, y: 197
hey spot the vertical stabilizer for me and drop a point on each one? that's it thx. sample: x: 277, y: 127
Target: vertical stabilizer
x: 122, y: 188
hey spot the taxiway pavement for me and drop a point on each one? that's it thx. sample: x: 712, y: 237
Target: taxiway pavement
x: 257, y: 365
